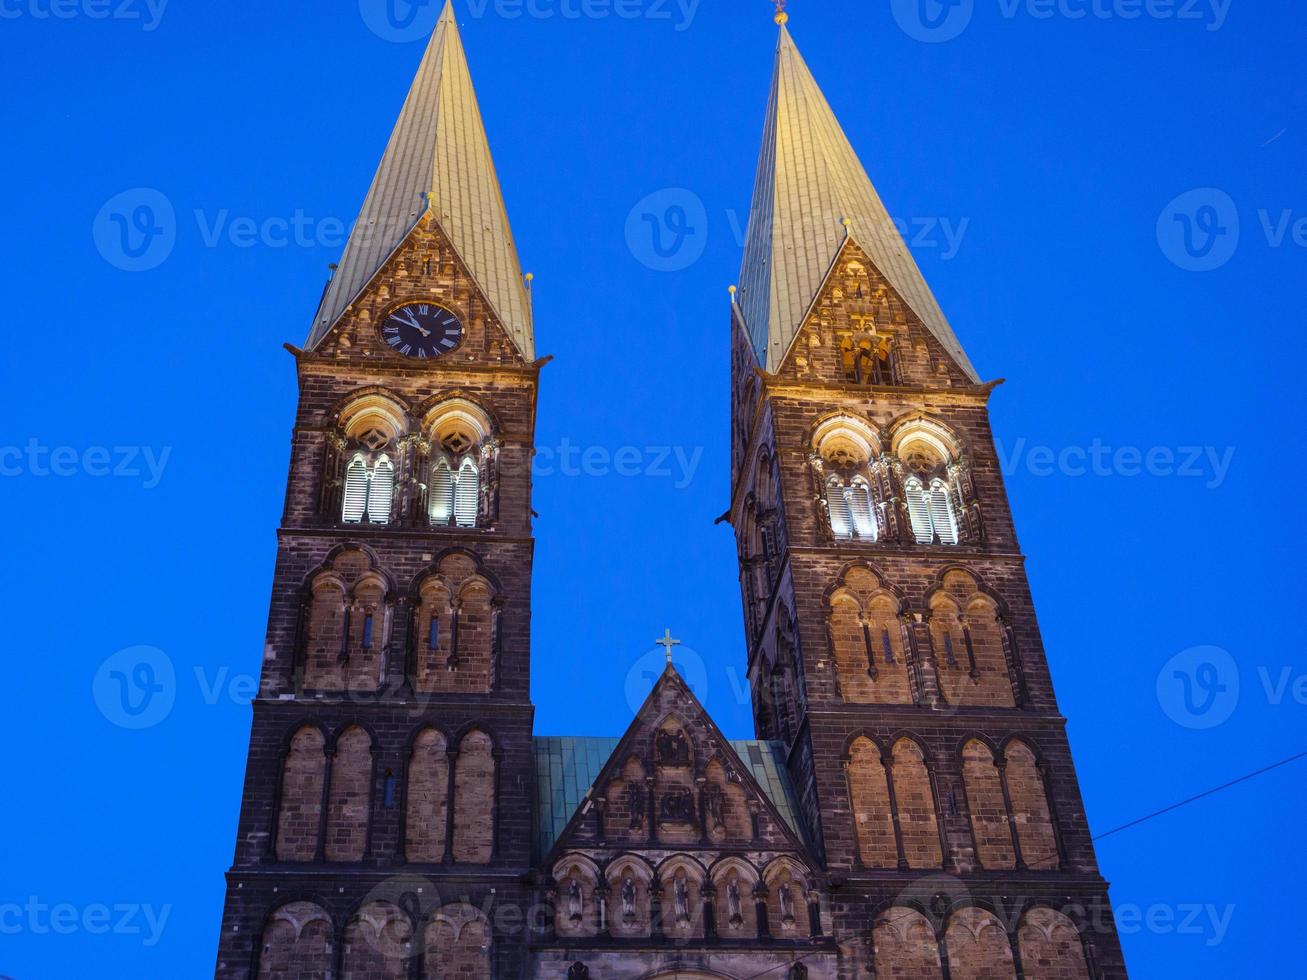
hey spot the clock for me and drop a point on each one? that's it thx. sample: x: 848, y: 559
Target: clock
x: 422, y: 330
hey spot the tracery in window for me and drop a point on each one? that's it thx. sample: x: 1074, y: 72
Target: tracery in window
x: 460, y: 434
x: 845, y: 449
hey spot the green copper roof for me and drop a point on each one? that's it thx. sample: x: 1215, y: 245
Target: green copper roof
x: 567, y: 767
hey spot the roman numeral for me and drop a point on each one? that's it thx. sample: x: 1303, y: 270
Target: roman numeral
x: 406, y: 349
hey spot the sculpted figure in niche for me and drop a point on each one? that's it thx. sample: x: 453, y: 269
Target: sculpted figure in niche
x: 678, y: 806
x: 681, y: 903
x: 628, y: 897
x: 713, y: 801
x: 635, y: 802
x: 787, y: 903
x: 733, y: 910
x: 575, y: 898
x: 673, y: 748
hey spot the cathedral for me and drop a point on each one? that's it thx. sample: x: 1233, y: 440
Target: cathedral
x: 908, y: 809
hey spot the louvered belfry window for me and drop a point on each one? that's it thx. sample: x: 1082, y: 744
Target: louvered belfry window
x: 931, y: 511
x: 455, y: 492
x: 369, y: 489
x: 852, y: 514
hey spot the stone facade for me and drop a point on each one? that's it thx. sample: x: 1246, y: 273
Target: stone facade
x: 910, y: 808
x: 906, y: 677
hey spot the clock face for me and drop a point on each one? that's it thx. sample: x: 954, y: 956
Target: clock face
x: 422, y: 330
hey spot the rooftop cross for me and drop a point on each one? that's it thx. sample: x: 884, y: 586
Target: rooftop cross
x: 667, y: 643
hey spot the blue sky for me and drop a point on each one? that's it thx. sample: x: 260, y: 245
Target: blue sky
x: 1110, y: 208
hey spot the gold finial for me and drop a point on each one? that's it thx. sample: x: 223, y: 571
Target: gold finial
x: 782, y: 17
x: 848, y: 226
x: 731, y: 290
x: 530, y: 278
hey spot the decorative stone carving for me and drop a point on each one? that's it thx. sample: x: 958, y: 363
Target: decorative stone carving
x: 677, y: 806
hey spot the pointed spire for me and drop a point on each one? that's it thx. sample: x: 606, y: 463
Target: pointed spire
x: 438, y: 158
x: 810, y: 183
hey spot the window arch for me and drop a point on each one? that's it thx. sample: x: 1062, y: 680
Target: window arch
x: 869, y: 796
x: 460, y: 446
x: 378, y: 944
x: 971, y: 657
x: 844, y: 451
x: 1030, y: 809
x: 867, y: 641
x: 455, y: 632
x: 1050, y: 944
x: 426, y: 799
x: 372, y: 427
x: 457, y: 943
x: 349, y: 803
x: 932, y: 481
x: 905, y: 946
x: 978, y: 946
x: 991, y: 827
x: 299, y: 813
x: 914, y: 803
x: 474, y: 799
x: 346, y: 622
x: 297, y: 941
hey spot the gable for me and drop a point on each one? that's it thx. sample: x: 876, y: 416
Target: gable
x: 424, y: 267
x: 858, y: 302
x: 673, y: 780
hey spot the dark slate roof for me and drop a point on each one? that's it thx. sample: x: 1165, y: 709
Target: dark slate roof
x: 567, y: 767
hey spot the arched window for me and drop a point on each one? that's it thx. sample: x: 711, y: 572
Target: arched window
x: 371, y: 427
x: 459, y: 432
x: 845, y: 449
x: 851, y: 509
x: 457, y: 944
x: 299, y: 815
x: 474, y: 800
x: 931, y: 509
x: 932, y: 484
x: 297, y: 941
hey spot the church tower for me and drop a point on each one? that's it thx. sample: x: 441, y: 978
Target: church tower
x: 388, y: 796
x: 893, y: 646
